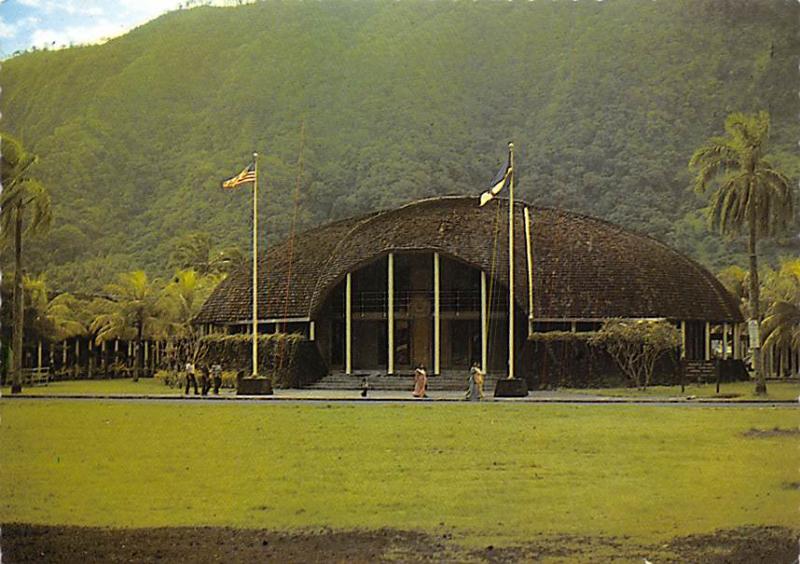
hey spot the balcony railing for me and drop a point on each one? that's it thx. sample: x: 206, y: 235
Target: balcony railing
x: 453, y: 301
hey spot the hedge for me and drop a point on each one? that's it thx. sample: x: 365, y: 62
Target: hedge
x: 289, y: 360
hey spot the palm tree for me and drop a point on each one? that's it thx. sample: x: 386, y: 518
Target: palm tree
x: 751, y: 195
x: 24, y: 209
x: 68, y: 318
x: 133, y: 312
x: 782, y: 321
x: 183, y: 298
x: 195, y: 251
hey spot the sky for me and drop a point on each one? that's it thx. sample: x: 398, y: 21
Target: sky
x: 59, y: 23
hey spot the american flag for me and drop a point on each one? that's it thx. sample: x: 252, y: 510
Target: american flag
x: 247, y: 175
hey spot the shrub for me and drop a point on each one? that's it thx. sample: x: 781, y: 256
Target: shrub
x: 287, y: 359
x: 635, y: 345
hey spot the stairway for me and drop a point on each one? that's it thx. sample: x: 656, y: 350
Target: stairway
x: 451, y: 380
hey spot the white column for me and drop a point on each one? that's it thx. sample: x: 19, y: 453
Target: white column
x: 530, y: 267
x: 683, y: 339
x: 39, y: 355
x: 725, y: 341
x: 64, y: 355
x: 390, y: 314
x: 573, y: 327
x: 484, y: 324
x: 348, y: 323
x: 437, y: 322
x: 312, y: 331
x: 708, y: 340
x: 737, y: 337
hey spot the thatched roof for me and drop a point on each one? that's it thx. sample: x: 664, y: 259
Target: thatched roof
x: 584, y: 268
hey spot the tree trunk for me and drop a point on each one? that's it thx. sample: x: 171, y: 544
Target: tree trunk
x: 90, y: 358
x: 755, y: 308
x: 19, y: 307
x: 139, y: 351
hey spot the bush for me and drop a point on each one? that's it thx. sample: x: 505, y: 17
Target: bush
x: 177, y: 379
x: 287, y: 359
x: 636, y: 344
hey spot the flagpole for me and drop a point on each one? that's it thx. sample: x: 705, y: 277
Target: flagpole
x: 255, y: 265
x: 511, y: 263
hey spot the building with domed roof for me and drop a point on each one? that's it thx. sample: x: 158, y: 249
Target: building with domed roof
x: 428, y: 283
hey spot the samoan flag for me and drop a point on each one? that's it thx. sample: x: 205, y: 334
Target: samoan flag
x: 501, y: 180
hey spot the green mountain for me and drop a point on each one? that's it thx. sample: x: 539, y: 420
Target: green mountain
x: 389, y: 102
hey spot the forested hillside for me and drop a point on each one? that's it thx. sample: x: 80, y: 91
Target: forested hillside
x: 605, y: 102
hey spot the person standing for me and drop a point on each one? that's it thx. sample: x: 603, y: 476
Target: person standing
x: 190, y: 378
x: 216, y: 375
x: 475, y: 383
x: 420, y: 382
x: 205, y: 380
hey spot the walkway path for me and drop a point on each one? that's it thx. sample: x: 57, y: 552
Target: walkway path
x: 379, y: 396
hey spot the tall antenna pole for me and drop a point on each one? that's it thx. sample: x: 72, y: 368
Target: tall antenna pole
x: 511, y: 264
x: 255, y: 266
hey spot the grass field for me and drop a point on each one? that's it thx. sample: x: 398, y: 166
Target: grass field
x: 100, y: 387
x: 482, y: 472
x: 742, y: 390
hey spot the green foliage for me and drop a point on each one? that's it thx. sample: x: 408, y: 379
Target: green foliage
x: 195, y: 251
x: 781, y: 324
x: 277, y: 355
x: 24, y: 202
x: 177, y: 379
x: 635, y: 345
x: 400, y: 100
x: 751, y: 194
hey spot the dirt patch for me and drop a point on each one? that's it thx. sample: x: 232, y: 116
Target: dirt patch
x: 745, y: 544
x: 88, y: 545
x: 774, y: 432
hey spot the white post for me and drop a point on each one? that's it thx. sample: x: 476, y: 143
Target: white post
x: 530, y: 267
x: 64, y: 355
x: 390, y: 315
x: 348, y: 321
x: 725, y: 341
x: 39, y: 355
x: 511, y: 264
x: 484, y: 324
x: 683, y: 339
x: 436, y: 316
x: 312, y: 331
x: 708, y: 341
x: 736, y: 346
x: 255, y: 264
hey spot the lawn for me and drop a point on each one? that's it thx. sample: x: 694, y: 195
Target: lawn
x: 741, y: 390
x: 496, y: 473
x: 117, y: 386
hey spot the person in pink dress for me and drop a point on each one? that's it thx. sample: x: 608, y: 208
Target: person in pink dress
x: 420, y: 382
